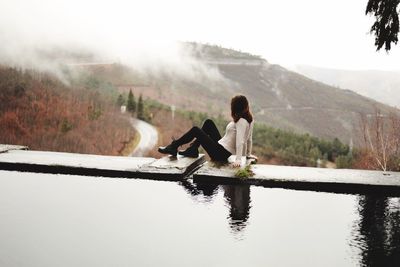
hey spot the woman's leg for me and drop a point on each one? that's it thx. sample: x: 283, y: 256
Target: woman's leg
x: 211, y: 130
x: 211, y: 146
x: 184, y: 139
x: 208, y: 137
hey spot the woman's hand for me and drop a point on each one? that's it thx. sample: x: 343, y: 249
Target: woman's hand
x: 235, y: 164
x: 252, y: 157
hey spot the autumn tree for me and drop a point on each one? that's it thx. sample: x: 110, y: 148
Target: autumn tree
x: 386, y: 25
x: 131, y: 106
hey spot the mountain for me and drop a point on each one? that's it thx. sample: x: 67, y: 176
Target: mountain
x: 279, y: 97
x: 383, y: 86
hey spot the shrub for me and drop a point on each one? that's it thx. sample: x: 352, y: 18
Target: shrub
x: 344, y: 161
x: 244, y: 173
x: 66, y: 126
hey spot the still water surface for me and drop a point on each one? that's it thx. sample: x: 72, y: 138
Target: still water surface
x: 64, y: 220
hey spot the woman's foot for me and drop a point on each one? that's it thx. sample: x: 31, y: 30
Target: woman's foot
x: 191, y: 152
x: 171, y: 149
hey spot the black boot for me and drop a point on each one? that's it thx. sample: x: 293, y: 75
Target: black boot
x: 192, y: 151
x: 171, y: 149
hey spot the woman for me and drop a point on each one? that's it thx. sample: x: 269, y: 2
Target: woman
x: 236, y: 141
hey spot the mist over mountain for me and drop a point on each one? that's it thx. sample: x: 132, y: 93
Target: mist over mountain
x: 382, y: 86
x: 279, y: 97
x: 203, y: 78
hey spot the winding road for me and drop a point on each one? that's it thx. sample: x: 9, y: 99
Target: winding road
x: 148, y: 137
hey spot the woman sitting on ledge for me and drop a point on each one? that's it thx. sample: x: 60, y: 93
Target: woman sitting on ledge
x: 236, y: 141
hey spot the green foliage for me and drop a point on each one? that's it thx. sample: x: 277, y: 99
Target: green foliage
x: 244, y: 173
x: 131, y: 105
x: 315, y: 153
x: 197, y: 119
x: 293, y: 148
x: 338, y: 148
x: 66, y: 126
x: 121, y: 100
x: 140, y: 109
x: 147, y: 115
x: 344, y: 161
x: 143, y: 107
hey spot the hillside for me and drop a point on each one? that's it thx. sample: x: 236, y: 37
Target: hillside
x: 39, y: 111
x: 285, y: 99
x: 279, y: 97
x: 383, y: 86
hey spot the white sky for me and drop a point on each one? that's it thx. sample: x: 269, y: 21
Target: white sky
x: 322, y: 33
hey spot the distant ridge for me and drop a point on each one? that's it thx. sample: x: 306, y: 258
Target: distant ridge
x: 383, y: 86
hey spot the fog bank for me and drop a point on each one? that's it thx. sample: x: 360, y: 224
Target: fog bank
x: 45, y: 35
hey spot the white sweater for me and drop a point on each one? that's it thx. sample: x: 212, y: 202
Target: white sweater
x: 238, y: 138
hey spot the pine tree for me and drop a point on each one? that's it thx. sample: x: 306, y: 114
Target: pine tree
x: 140, y: 109
x: 131, y: 106
x: 121, y: 100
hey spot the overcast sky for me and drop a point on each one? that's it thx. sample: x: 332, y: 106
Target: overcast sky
x: 325, y: 33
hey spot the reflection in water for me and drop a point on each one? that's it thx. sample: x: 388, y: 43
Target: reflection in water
x: 136, y: 220
x: 237, y: 196
x: 379, y: 232
x: 195, y: 189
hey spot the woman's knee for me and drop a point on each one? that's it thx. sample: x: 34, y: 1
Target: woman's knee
x: 196, y: 129
x: 207, y: 123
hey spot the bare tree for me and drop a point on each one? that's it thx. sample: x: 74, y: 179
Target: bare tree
x: 381, y: 138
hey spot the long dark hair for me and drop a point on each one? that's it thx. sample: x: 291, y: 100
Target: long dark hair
x: 240, y: 109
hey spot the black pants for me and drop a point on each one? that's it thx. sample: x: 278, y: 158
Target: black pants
x: 207, y: 136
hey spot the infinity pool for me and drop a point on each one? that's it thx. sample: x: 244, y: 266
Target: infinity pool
x: 64, y: 220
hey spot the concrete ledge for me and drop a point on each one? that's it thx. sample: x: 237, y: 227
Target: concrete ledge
x: 178, y: 168
x: 304, y: 178
x: 71, y: 163
x: 166, y: 168
x: 173, y: 166
x: 4, y: 148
